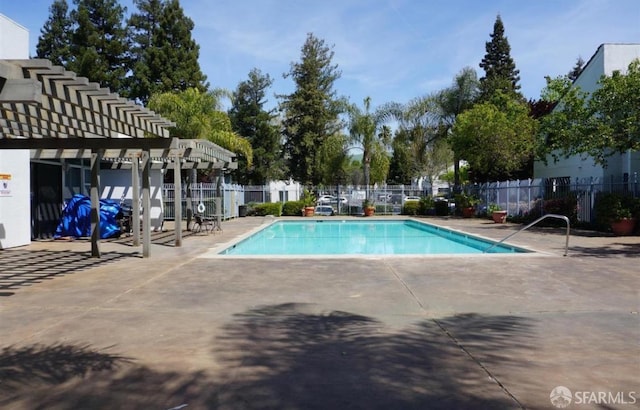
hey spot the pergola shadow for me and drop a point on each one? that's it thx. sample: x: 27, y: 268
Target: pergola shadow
x: 22, y: 267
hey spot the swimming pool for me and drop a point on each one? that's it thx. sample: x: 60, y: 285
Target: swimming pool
x: 377, y: 237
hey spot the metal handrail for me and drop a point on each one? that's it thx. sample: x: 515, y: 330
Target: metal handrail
x: 566, y: 246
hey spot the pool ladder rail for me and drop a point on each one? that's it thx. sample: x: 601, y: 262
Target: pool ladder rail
x: 564, y: 218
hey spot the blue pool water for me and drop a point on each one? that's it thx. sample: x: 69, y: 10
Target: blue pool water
x: 337, y: 237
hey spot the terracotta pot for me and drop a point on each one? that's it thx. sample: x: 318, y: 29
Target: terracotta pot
x: 468, y: 212
x: 623, y: 227
x: 309, y: 211
x: 369, y: 211
x: 499, y: 217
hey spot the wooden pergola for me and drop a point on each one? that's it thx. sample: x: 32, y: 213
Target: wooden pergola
x: 56, y: 114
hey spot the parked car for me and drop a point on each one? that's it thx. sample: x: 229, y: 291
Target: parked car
x: 411, y: 198
x: 396, y: 199
x: 324, y: 210
x: 331, y: 199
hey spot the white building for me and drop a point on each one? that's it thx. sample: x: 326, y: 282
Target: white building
x: 33, y: 189
x: 607, y: 59
x: 14, y: 164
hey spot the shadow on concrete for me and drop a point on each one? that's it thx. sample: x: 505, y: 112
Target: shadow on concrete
x: 22, y: 267
x: 288, y: 356
x: 292, y: 357
x: 39, y: 364
x: 164, y: 238
x: 631, y: 250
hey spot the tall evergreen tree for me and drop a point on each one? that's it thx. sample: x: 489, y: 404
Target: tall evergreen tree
x: 99, y: 43
x: 576, y: 70
x: 54, y: 41
x: 142, y: 25
x: 165, y: 54
x: 311, y: 111
x: 250, y: 119
x: 500, y: 69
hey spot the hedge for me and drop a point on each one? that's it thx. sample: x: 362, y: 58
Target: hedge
x: 269, y: 208
x: 412, y: 208
x: 292, y: 208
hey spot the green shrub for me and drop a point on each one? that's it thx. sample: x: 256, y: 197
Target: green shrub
x: 251, y: 211
x: 269, y: 208
x: 308, y: 198
x: 411, y: 208
x: 567, y: 206
x: 426, y: 205
x: 292, y: 208
x: 613, y: 206
x: 493, y: 208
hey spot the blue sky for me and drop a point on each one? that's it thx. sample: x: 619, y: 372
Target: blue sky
x: 390, y: 50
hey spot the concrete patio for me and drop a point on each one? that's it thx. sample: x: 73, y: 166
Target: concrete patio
x: 180, y: 330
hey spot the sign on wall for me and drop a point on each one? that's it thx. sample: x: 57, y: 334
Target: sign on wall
x: 5, y: 185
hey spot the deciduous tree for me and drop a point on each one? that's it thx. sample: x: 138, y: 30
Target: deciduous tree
x: 496, y: 137
x: 600, y: 125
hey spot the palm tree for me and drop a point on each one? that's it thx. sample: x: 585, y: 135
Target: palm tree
x: 418, y: 126
x: 452, y: 101
x: 199, y: 115
x: 366, y: 132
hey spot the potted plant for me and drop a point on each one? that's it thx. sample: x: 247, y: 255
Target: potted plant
x: 308, y: 203
x: 467, y: 204
x: 368, y: 207
x: 618, y: 212
x: 497, y: 214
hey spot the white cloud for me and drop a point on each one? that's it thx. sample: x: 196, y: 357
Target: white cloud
x: 390, y: 49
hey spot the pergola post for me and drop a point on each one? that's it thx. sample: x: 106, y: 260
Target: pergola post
x: 146, y: 204
x: 177, y: 199
x: 96, y: 156
x: 190, y: 181
x: 135, y: 199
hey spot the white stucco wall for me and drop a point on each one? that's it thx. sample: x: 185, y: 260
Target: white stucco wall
x: 15, y: 198
x: 14, y: 39
x: 116, y: 183
x: 607, y: 59
x: 277, y: 189
x: 15, y: 194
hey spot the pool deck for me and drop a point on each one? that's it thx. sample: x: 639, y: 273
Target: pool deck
x: 183, y: 329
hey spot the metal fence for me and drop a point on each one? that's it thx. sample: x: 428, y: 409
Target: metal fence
x: 205, y: 193
x: 257, y: 193
x: 518, y: 198
x: 388, y: 199
x: 527, y: 197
